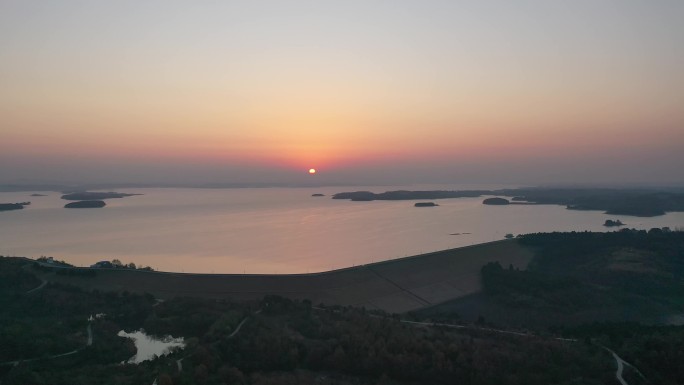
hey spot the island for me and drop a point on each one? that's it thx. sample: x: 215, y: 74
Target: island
x: 85, y: 205
x: 88, y: 195
x: 408, y: 195
x: 613, y: 223
x: 38, y: 195
x: 11, y: 206
x: 496, y: 201
x: 425, y: 204
x: 358, y: 196
x: 636, y: 202
x: 317, y: 195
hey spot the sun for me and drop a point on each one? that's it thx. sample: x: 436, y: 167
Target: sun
x: 312, y: 171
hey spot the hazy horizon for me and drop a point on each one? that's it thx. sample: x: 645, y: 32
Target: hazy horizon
x: 368, y: 93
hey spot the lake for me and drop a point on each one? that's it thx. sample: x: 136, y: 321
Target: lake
x: 273, y: 230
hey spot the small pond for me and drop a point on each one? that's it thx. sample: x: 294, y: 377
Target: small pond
x: 148, y: 347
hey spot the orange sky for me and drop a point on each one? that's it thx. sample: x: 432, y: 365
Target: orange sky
x: 264, y: 91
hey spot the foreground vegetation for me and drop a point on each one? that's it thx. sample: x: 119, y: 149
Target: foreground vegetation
x: 281, y: 342
x: 580, y: 286
x: 617, y: 289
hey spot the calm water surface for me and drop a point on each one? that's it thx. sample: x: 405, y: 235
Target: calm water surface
x: 272, y: 230
x: 149, y: 347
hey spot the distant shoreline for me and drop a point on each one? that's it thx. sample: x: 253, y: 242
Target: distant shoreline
x: 633, y: 202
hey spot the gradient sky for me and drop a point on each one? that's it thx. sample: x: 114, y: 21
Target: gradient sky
x: 527, y: 92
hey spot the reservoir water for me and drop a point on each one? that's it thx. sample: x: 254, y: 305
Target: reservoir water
x: 273, y: 230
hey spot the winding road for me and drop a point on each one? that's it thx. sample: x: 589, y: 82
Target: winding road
x: 621, y: 367
x: 42, y: 285
x: 237, y: 329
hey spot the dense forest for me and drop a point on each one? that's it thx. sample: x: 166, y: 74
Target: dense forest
x: 586, y: 286
x: 579, y: 270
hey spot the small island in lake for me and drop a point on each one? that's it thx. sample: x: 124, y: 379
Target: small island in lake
x: 613, y: 223
x: 317, y: 195
x: 496, y: 201
x: 88, y: 195
x: 38, y: 195
x: 13, y: 206
x: 425, y: 204
x: 85, y: 205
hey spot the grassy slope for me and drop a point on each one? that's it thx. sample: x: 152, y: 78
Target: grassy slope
x: 395, y: 286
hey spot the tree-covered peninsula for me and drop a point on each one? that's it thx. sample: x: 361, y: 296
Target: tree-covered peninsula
x: 635, y: 202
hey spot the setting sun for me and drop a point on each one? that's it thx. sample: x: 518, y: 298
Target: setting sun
x: 312, y: 171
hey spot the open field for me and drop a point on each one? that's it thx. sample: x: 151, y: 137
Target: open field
x: 394, y: 286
